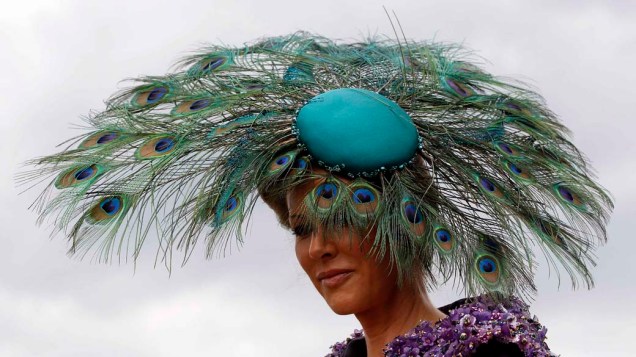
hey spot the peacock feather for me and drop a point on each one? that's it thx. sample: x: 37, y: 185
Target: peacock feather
x: 450, y: 164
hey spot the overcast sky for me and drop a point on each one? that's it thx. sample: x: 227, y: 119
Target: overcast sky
x: 61, y: 59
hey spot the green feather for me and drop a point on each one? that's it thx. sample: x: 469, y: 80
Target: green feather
x: 182, y: 155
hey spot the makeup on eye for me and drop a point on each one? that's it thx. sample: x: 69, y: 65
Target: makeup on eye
x: 299, y: 225
x: 302, y: 229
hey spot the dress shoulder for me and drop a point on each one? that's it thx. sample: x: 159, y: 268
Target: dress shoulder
x: 353, y: 346
x: 475, y: 327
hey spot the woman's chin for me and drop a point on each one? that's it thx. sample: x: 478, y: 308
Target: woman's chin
x: 343, y: 301
x: 342, y: 306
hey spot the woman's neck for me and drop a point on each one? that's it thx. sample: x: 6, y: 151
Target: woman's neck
x: 400, y: 313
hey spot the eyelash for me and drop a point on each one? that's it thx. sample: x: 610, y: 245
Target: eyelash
x: 302, y: 230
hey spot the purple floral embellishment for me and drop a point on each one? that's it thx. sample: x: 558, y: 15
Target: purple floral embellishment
x: 339, y: 348
x: 466, y: 327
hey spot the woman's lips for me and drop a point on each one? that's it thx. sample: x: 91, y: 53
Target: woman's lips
x: 336, y: 280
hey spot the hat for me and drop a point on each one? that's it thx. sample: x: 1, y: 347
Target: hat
x: 461, y: 172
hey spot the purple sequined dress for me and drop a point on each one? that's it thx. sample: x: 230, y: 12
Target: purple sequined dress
x: 473, y: 327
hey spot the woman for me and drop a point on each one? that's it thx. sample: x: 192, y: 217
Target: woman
x: 353, y: 283
x: 395, y: 164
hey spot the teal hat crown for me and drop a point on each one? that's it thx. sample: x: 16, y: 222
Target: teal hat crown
x: 356, y: 131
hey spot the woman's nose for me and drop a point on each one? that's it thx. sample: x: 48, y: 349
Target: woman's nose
x: 321, y: 247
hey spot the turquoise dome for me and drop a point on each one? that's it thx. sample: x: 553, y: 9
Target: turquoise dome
x: 357, y: 131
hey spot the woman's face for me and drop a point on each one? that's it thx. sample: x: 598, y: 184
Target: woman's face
x: 338, y: 266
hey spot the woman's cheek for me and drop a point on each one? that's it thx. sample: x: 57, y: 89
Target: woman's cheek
x: 302, y: 254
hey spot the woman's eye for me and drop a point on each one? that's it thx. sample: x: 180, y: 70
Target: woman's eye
x: 302, y: 230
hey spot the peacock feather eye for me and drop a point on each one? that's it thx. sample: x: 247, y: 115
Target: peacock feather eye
x: 191, y: 106
x: 324, y: 196
x: 365, y: 199
x: 516, y: 108
x: 229, y: 208
x: 507, y: 149
x: 566, y: 194
x: 156, y: 147
x: 517, y: 171
x: 489, y: 187
x: 569, y: 196
x: 79, y: 175
x: 327, y: 191
x: 209, y: 64
x: 106, y: 138
x: 199, y: 104
x: 111, y: 205
x: 412, y: 214
x: 157, y: 94
x: 85, y: 173
x: 488, y: 268
x: 457, y: 88
x: 300, y: 164
x: 444, y: 239
x: 281, y: 163
x: 149, y: 96
x: 99, y: 138
x: 514, y: 168
x: 413, y: 217
x: 363, y: 195
x: 107, y: 208
x: 164, y: 145
x: 231, y: 204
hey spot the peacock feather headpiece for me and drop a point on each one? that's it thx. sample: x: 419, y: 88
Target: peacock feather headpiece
x: 451, y: 164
